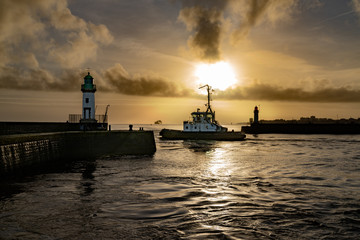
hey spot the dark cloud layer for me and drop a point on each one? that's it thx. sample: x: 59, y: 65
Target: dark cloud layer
x: 122, y: 82
x: 267, y: 92
x: 117, y: 79
x: 39, y: 79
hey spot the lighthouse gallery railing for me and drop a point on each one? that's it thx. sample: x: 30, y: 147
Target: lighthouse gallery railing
x: 75, y: 118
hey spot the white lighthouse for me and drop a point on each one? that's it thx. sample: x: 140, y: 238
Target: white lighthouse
x: 88, y: 106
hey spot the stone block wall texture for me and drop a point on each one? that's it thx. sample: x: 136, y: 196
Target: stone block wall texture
x: 22, y: 151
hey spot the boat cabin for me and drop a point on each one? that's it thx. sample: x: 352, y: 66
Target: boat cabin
x: 203, y: 122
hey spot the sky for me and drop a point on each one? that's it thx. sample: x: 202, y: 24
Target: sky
x: 149, y: 57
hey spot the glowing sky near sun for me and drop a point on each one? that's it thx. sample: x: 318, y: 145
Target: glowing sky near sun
x: 219, y: 75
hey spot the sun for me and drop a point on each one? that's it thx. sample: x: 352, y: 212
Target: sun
x: 219, y: 75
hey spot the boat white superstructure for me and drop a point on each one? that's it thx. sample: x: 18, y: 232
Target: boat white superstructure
x: 203, y: 121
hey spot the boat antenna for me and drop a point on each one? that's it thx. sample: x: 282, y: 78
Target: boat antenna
x: 208, y: 92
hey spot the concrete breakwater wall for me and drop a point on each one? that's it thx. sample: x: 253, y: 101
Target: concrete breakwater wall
x: 299, y: 128
x: 19, y: 152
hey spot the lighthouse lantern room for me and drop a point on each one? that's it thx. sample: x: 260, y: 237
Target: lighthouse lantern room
x: 88, y: 106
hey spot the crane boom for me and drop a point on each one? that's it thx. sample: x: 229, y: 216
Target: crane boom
x: 106, y: 112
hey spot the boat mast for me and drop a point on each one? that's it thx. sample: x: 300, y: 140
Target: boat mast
x: 208, y: 104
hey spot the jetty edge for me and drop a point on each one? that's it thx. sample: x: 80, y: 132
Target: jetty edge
x: 202, y: 127
x: 22, y: 153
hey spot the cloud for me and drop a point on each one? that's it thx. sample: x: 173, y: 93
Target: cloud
x: 48, y: 29
x: 40, y: 35
x: 356, y: 6
x: 81, y: 39
x: 249, y: 14
x: 117, y: 79
x: 206, y: 20
x: 121, y: 81
x: 268, y: 92
x: 39, y: 79
x: 78, y: 50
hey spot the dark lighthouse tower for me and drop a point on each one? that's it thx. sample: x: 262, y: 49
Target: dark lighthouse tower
x: 256, y: 115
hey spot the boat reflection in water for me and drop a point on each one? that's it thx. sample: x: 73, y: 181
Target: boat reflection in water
x: 202, y: 127
x: 200, y: 146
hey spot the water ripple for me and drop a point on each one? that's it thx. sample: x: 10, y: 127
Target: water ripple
x: 268, y: 187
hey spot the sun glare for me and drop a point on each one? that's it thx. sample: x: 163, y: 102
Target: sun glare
x: 218, y: 75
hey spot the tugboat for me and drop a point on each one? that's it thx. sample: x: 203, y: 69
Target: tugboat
x: 202, y: 127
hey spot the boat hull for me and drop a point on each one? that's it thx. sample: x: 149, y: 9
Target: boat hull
x: 220, y: 136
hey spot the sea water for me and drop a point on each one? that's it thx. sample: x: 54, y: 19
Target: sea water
x: 270, y: 186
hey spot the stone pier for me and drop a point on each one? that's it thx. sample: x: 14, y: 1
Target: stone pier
x: 22, y: 151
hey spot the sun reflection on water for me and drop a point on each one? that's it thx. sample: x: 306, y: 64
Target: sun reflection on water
x: 218, y: 164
